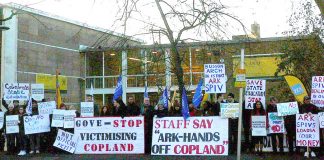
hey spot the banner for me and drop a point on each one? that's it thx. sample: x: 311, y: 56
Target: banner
x: 229, y: 110
x: 46, y: 107
x: 254, y: 91
x: 307, y: 130
x: 65, y: 141
x: 37, y: 91
x: 196, y: 136
x: 69, y: 116
x: 296, y: 87
x: 276, y: 123
x: 109, y: 135
x: 12, y: 124
x: 259, y: 126
x: 1, y: 119
x: 215, y: 78
x: 317, y: 96
x: 289, y: 108
x: 16, y: 91
x: 36, y: 124
x: 87, y: 109
x: 58, y: 118
x: 321, y: 119
x: 49, y: 81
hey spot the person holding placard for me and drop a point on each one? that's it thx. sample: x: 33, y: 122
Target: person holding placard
x: 119, y: 108
x: 308, y: 108
x: 95, y: 106
x: 12, y: 137
x: 22, y: 138
x: 246, y: 117
x: 105, y: 111
x: 258, y: 110
x: 34, y: 139
x: 272, y: 107
x: 175, y: 110
x: 233, y: 126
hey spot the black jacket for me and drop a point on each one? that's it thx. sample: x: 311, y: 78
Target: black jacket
x: 133, y: 110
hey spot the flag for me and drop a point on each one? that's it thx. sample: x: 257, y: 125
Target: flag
x: 119, y: 88
x: 165, y: 97
x: 146, y: 93
x: 296, y: 87
x: 196, y: 100
x: 205, y: 98
x: 58, y: 90
x: 185, y: 107
x: 29, y: 106
x: 91, y: 91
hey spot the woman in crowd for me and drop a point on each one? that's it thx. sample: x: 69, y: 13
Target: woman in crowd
x: 104, y: 111
x: 22, y: 138
x: 11, y: 137
x: 176, y: 109
x: 34, y: 139
x: 258, y: 110
x: 119, y: 108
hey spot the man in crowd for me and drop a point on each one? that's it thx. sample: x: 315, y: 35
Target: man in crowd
x: 95, y: 106
x: 233, y: 127
x: 132, y: 108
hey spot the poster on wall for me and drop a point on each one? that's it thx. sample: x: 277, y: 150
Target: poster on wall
x: 16, y: 91
x: 215, y: 78
x: 254, y: 91
x: 109, y: 135
x: 196, y: 136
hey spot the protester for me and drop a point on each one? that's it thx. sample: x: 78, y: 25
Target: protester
x: 308, y: 108
x: 119, y: 108
x: 258, y: 110
x: 105, y: 112
x: 206, y: 109
x: 34, y: 139
x: 290, y: 125
x: 95, y: 106
x: 11, y: 137
x: 192, y: 110
x: 233, y: 127
x: 132, y: 108
x: 246, y: 116
x: 2, y: 138
x: 272, y: 107
x: 176, y: 109
x: 216, y: 106
x: 161, y: 111
x: 148, y: 122
x: 22, y: 138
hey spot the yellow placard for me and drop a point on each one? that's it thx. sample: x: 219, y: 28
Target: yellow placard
x: 257, y: 66
x: 49, y: 81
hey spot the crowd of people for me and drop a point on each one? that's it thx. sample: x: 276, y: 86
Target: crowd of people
x: 43, y: 142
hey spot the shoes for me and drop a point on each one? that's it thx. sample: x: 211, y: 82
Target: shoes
x: 22, y: 153
x: 313, y: 154
x: 31, y: 152
x: 37, y: 151
x: 306, y: 154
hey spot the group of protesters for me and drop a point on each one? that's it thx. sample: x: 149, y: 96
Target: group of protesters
x: 43, y: 142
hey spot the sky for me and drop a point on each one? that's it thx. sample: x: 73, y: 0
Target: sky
x: 272, y: 15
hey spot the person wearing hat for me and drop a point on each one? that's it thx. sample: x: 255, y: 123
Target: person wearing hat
x: 308, y: 108
x: 11, y: 137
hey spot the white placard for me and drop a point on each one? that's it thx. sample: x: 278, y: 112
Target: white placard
x: 12, y: 124
x: 16, y: 91
x: 87, y: 109
x: 254, y: 91
x: 317, y: 93
x: 321, y: 119
x: 1, y: 119
x: 307, y: 130
x: 195, y: 136
x: 37, y: 91
x: 289, y: 108
x: 109, y: 135
x: 46, y: 107
x: 65, y: 141
x: 58, y: 118
x: 276, y: 123
x: 259, y: 126
x: 215, y: 78
x: 69, y: 116
x: 36, y: 124
x: 229, y: 110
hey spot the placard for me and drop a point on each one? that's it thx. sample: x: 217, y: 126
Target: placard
x: 37, y: 91
x: 259, y: 126
x: 215, y: 78
x: 65, y: 141
x: 307, y: 130
x: 36, y: 124
x: 196, y: 136
x: 12, y: 124
x: 46, y: 107
x: 321, y: 119
x: 254, y: 91
x: 69, y: 116
x: 229, y: 110
x: 1, y: 119
x: 317, y: 93
x: 58, y: 118
x: 276, y: 123
x: 289, y: 108
x: 16, y: 91
x: 109, y: 135
x: 87, y: 109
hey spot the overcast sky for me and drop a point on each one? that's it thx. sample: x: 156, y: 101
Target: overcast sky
x: 272, y: 15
